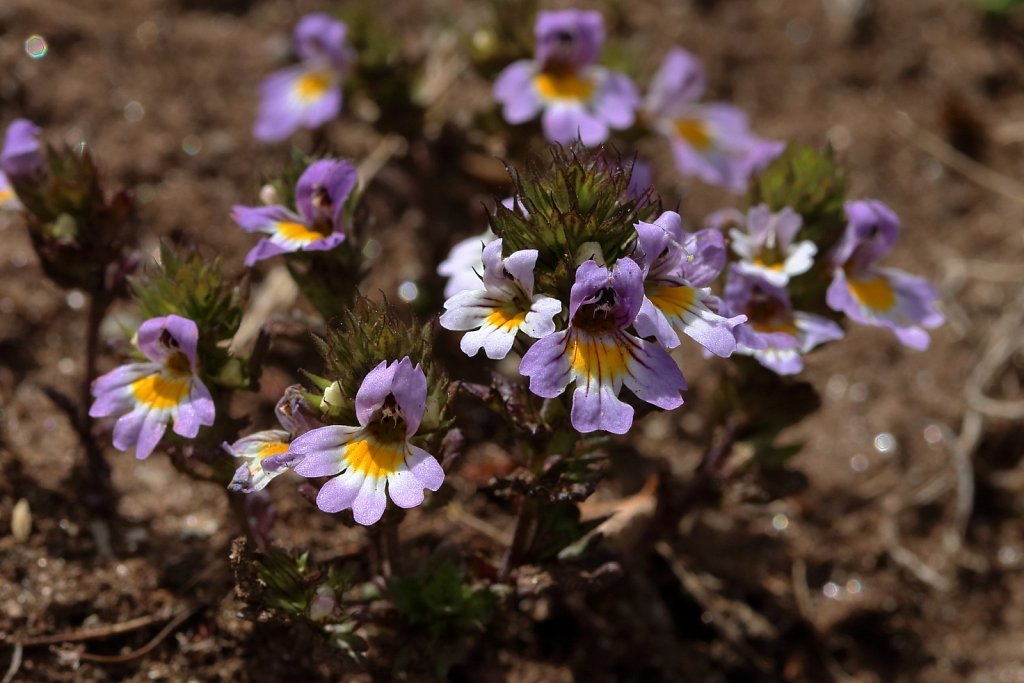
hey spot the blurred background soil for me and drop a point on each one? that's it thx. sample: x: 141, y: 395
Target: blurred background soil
x: 890, y: 549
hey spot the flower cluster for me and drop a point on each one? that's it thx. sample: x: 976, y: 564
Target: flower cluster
x: 581, y: 100
x: 628, y: 280
x: 308, y: 94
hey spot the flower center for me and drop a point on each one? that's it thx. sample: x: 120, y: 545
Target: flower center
x: 695, y: 132
x: 507, y: 318
x: 768, y: 314
x: 600, y: 357
x: 298, y: 232
x: 874, y: 293
x: 672, y: 301
x: 373, y: 458
x: 272, y: 448
x: 312, y: 85
x: 598, y: 315
x: 564, y: 86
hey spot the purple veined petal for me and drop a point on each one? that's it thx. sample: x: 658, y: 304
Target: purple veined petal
x: 153, y: 427
x: 520, y: 266
x: 242, y: 480
x: 197, y: 410
x: 705, y: 257
x: 562, y: 122
x: 651, y: 322
x: 115, y: 402
x: 628, y: 282
x: 263, y: 250
x: 326, y: 244
x: 651, y: 241
x: 590, y: 279
x: 374, y: 388
x: 595, y: 406
x: 425, y: 467
x: 340, y: 493
x: 539, y: 321
x: 515, y: 92
x: 409, y: 388
x: 369, y: 504
x: 653, y: 376
x: 262, y: 218
x: 321, y: 451
x: 336, y: 178
x: 815, y: 330
x: 183, y: 332
x: 547, y: 365
x: 872, y: 230
x: 116, y: 383
x: 678, y: 83
x: 128, y: 427
x: 888, y: 298
x: 616, y: 102
x: 321, y: 37
x: 568, y: 37
x: 253, y: 445
x: 21, y: 155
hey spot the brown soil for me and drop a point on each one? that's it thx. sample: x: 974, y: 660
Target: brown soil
x: 843, y: 566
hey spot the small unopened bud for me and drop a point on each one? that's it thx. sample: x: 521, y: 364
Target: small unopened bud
x: 321, y: 607
x: 269, y: 195
x: 333, y: 398
x: 588, y: 251
x: 21, y: 521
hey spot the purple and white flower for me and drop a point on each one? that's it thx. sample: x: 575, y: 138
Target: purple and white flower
x: 22, y: 155
x: 465, y: 263
x: 774, y: 334
x: 308, y: 94
x: 674, y: 302
x: 598, y: 353
x: 577, y: 97
x: 320, y: 196
x: 710, y: 140
x: 505, y: 305
x: 365, y: 461
x: 166, y: 388
x: 766, y: 245
x: 872, y: 295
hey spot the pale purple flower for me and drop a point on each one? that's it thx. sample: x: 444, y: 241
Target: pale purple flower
x: 465, y: 263
x: 766, y: 244
x: 504, y: 306
x: 308, y: 94
x: 577, y: 97
x: 165, y: 388
x: 22, y: 155
x: 362, y: 461
x: 8, y: 198
x: 254, y: 449
x: 599, y: 354
x: 872, y: 295
x: 774, y: 334
x: 672, y: 301
x: 320, y: 196
x: 710, y: 140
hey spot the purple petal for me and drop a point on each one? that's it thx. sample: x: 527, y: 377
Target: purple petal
x: 706, y: 257
x: 653, y: 376
x: 547, y: 365
x: 263, y: 250
x: 21, y: 155
x: 127, y: 428
x: 616, y: 103
x: 679, y: 82
x: 182, y: 331
x: 321, y: 37
x: 374, y: 389
x: 370, y: 502
x: 153, y: 427
x: 595, y: 406
x: 568, y: 37
x: 340, y: 492
x: 335, y: 177
x: 409, y: 388
x: 515, y: 92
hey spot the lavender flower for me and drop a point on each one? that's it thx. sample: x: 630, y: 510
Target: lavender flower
x: 775, y: 335
x: 308, y: 94
x: 22, y: 156
x: 363, y: 460
x: 320, y: 196
x: 578, y: 98
x: 766, y: 245
x: 600, y: 355
x: 8, y: 198
x: 871, y: 295
x: 255, y: 449
x: 505, y: 305
x: 148, y: 395
x: 465, y: 263
x: 673, y: 301
x: 712, y: 140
